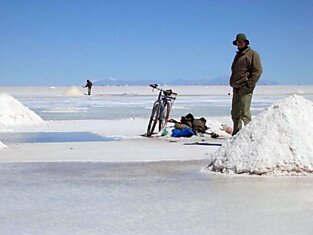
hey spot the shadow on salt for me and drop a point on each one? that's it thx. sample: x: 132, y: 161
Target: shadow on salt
x: 53, y: 137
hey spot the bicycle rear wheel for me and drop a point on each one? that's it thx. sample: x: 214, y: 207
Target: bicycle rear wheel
x: 165, y: 116
x: 153, y: 119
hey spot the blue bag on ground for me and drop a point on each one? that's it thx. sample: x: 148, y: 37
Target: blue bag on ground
x: 185, y: 132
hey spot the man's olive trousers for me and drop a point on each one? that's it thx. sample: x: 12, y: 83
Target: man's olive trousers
x: 241, y: 104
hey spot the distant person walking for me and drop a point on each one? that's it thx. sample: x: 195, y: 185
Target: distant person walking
x: 246, y: 71
x: 89, y: 85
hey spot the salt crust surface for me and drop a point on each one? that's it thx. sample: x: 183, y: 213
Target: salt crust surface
x: 2, y: 145
x: 13, y: 112
x: 278, y: 141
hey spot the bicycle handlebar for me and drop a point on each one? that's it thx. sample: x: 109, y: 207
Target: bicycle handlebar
x: 154, y: 86
x: 166, y: 92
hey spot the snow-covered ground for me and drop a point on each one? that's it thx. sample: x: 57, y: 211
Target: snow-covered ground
x: 77, y: 164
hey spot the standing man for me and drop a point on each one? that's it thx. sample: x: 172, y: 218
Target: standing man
x: 246, y: 71
x: 89, y: 85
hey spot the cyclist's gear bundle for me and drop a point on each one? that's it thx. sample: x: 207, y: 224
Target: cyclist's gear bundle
x: 194, y: 124
x: 198, y: 125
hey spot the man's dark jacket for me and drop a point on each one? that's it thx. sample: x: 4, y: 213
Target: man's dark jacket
x: 246, y: 69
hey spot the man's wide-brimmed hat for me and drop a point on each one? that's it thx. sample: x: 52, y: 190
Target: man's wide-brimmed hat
x: 241, y: 37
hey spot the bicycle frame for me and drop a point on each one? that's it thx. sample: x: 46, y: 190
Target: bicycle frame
x: 164, y: 98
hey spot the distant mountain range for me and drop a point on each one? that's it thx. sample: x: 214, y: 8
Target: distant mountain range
x: 221, y: 80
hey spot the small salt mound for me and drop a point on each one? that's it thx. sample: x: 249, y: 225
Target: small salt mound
x: 300, y: 92
x: 12, y: 112
x: 73, y: 91
x: 2, y: 146
x: 277, y: 142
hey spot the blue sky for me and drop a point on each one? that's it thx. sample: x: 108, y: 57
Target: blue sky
x: 64, y: 42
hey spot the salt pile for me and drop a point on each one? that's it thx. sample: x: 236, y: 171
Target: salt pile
x: 12, y: 112
x: 277, y: 142
x: 73, y: 91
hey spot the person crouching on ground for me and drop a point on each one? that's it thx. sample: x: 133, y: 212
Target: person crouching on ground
x: 246, y: 71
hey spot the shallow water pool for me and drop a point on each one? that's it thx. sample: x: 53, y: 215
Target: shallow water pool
x: 47, y: 137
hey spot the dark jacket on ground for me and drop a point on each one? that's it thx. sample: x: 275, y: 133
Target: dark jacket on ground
x: 246, y: 69
x: 197, y: 125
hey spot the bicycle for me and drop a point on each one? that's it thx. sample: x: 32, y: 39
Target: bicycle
x: 161, y: 109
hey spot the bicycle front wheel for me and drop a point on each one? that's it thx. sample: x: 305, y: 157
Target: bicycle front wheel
x: 165, y: 116
x: 153, y: 119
